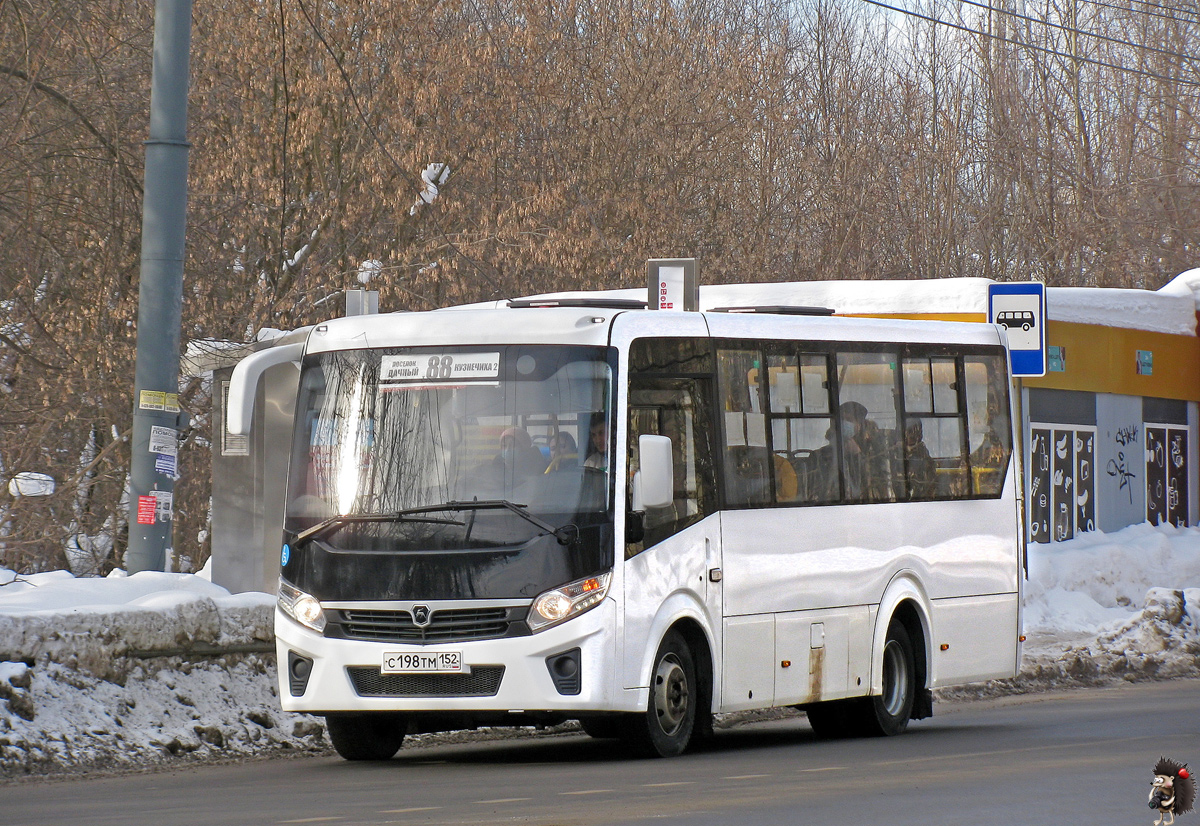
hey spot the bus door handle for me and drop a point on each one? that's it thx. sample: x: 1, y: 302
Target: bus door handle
x: 714, y: 574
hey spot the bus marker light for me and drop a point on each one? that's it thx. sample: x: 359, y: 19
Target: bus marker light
x: 945, y: 647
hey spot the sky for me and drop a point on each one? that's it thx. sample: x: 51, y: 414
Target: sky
x: 79, y: 693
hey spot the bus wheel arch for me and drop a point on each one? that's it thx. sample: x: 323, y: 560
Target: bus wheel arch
x: 905, y: 603
x: 702, y: 657
x: 887, y: 713
x: 915, y: 623
x: 678, y: 712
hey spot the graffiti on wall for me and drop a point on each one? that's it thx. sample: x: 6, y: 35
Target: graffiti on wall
x: 1122, y: 469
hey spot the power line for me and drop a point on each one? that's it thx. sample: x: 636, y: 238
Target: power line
x: 1033, y: 46
x: 1190, y: 17
x: 1070, y: 30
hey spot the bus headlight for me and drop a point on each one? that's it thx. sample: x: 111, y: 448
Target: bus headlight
x: 301, y: 607
x: 567, y: 601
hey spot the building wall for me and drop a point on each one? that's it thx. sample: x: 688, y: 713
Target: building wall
x: 1120, y: 462
x: 1103, y: 461
x: 1105, y: 360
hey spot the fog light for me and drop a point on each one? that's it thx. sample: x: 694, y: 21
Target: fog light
x: 299, y: 670
x: 565, y: 670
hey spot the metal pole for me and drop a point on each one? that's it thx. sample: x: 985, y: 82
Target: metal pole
x: 160, y: 297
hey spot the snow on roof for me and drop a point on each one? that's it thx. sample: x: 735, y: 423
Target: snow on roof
x: 1185, y: 284
x: 1133, y: 309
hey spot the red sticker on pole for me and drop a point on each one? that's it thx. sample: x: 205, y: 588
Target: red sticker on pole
x: 146, y: 508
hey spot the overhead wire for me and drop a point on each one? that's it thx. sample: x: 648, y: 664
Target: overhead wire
x: 1173, y: 15
x: 1034, y: 46
x: 1071, y: 30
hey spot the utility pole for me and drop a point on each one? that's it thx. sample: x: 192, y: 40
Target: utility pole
x: 156, y: 415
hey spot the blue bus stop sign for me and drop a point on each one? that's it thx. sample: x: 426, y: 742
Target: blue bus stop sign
x: 1021, y: 309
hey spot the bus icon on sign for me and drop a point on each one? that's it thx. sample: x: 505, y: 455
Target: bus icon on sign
x: 1014, y: 318
x: 1020, y: 309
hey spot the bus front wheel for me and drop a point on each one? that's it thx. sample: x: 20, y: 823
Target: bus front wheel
x: 666, y: 727
x: 366, y: 736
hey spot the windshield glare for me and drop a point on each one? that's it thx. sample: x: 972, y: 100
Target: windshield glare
x: 379, y: 431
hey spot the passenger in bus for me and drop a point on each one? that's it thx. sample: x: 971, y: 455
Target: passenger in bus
x: 564, y: 453
x: 518, y: 457
x: 922, y: 472
x: 988, y: 461
x: 821, y: 482
x: 598, y: 457
x: 865, y: 456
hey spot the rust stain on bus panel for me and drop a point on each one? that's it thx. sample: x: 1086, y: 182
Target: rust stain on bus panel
x: 816, y: 674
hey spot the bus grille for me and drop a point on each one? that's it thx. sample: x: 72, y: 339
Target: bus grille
x: 483, y: 681
x: 447, y: 625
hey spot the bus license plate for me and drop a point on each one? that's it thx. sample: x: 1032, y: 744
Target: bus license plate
x: 423, y: 662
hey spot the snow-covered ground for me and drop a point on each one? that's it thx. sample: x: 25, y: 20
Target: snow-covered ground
x: 126, y: 672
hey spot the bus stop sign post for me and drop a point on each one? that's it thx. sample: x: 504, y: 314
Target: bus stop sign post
x: 1021, y: 309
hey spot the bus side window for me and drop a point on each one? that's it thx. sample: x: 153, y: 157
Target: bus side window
x: 681, y: 409
x: 802, y: 439
x: 934, y: 456
x: 747, y: 458
x: 871, y: 446
x: 989, y: 428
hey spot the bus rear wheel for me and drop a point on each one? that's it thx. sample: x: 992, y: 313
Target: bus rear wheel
x: 666, y: 727
x: 888, y: 713
x: 366, y: 736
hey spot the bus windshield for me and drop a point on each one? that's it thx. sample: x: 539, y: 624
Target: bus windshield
x: 450, y: 448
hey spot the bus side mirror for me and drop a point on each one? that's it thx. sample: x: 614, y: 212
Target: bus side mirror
x: 653, y: 485
x: 243, y: 384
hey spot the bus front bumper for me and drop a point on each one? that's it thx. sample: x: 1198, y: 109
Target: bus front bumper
x: 515, y: 674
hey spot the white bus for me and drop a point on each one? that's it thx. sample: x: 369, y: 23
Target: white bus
x: 584, y: 510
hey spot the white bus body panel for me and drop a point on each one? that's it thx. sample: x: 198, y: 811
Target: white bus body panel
x: 816, y: 587
x: 779, y: 561
x: 664, y: 584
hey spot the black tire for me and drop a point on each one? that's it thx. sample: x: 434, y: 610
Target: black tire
x: 666, y: 727
x: 888, y: 713
x: 834, y: 719
x: 366, y: 736
x: 601, y: 728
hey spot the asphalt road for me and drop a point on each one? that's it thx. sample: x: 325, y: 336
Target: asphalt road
x: 1082, y: 756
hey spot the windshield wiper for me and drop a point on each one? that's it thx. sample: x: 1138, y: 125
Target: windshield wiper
x: 565, y: 534
x: 327, y: 526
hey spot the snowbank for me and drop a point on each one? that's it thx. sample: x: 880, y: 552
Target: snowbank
x: 126, y: 672
x: 1112, y: 606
